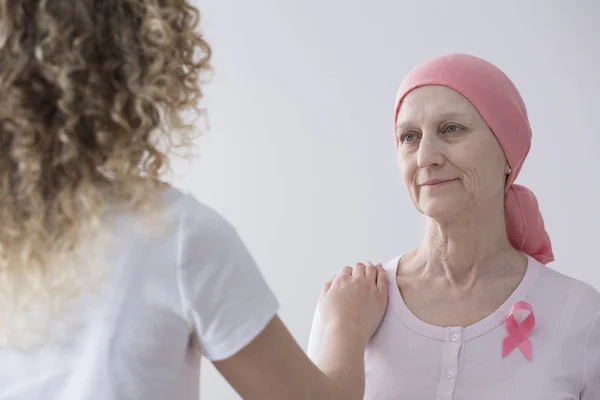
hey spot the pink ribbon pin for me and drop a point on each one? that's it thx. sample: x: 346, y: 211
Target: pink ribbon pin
x: 518, y: 333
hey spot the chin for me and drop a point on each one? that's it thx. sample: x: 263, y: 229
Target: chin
x: 439, y: 208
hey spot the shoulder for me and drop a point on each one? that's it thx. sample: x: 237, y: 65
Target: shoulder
x: 206, y: 238
x: 392, y: 265
x: 403, y: 267
x: 557, y: 281
x: 577, y: 301
x: 183, y: 207
x: 222, y: 289
x: 199, y: 226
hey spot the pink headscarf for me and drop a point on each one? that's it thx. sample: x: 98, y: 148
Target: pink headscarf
x: 498, y: 101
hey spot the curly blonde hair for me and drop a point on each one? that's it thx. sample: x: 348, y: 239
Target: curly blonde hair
x: 91, y: 95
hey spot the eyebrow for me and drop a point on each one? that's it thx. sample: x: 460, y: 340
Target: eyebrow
x: 442, y: 117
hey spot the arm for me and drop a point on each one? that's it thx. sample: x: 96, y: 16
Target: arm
x: 274, y: 367
x: 232, y: 312
x: 343, y: 360
x: 315, y: 337
x: 323, y: 347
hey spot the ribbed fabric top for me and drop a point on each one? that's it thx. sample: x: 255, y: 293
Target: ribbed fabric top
x: 408, y: 358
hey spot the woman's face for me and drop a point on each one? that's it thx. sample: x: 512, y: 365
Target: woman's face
x: 451, y: 161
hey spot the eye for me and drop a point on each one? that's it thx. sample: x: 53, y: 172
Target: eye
x: 407, y: 137
x: 452, y: 128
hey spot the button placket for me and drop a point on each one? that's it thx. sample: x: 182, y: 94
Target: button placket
x: 452, y: 345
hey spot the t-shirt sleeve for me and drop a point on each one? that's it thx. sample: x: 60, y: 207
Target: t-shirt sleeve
x: 315, y: 337
x: 591, y: 378
x: 224, y: 294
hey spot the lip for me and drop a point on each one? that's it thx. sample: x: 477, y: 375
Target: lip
x: 436, y: 182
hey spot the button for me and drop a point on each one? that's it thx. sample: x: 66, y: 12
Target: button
x: 454, y: 337
x: 449, y: 374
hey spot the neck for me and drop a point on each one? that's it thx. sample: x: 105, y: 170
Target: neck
x: 465, y: 248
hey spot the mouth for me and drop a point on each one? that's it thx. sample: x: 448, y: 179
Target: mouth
x: 436, y: 183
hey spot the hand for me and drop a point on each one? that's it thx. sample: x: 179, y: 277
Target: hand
x: 354, y: 301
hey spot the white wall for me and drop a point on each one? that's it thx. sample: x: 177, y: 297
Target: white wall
x: 300, y: 156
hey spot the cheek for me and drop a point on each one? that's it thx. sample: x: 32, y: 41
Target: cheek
x: 481, y: 166
x: 408, y: 168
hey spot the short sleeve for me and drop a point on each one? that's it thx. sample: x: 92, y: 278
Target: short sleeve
x: 223, y: 292
x: 591, y: 379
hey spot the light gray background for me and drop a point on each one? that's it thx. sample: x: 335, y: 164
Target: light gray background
x: 300, y: 155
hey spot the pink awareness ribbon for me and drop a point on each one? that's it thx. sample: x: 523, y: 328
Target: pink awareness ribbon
x: 518, y: 333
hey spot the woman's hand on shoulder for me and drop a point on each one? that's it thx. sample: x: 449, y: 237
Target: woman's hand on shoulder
x: 273, y: 366
x: 355, y: 300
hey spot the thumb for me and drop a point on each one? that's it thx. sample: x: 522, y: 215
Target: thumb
x: 325, y: 288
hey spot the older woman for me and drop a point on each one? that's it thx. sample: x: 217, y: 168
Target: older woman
x: 475, y: 313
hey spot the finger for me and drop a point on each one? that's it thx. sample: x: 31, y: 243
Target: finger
x: 346, y: 271
x: 371, y: 273
x: 359, y: 270
x: 382, y: 279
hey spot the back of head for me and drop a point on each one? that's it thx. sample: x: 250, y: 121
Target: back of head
x: 91, y: 94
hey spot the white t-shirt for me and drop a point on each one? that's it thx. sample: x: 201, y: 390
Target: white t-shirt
x: 167, y: 300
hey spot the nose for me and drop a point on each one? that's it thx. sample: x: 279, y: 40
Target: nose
x: 430, y: 151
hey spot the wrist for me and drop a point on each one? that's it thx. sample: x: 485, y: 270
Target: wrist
x: 341, y: 358
x: 349, y: 335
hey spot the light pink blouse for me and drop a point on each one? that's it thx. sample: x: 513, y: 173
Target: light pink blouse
x: 410, y: 359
